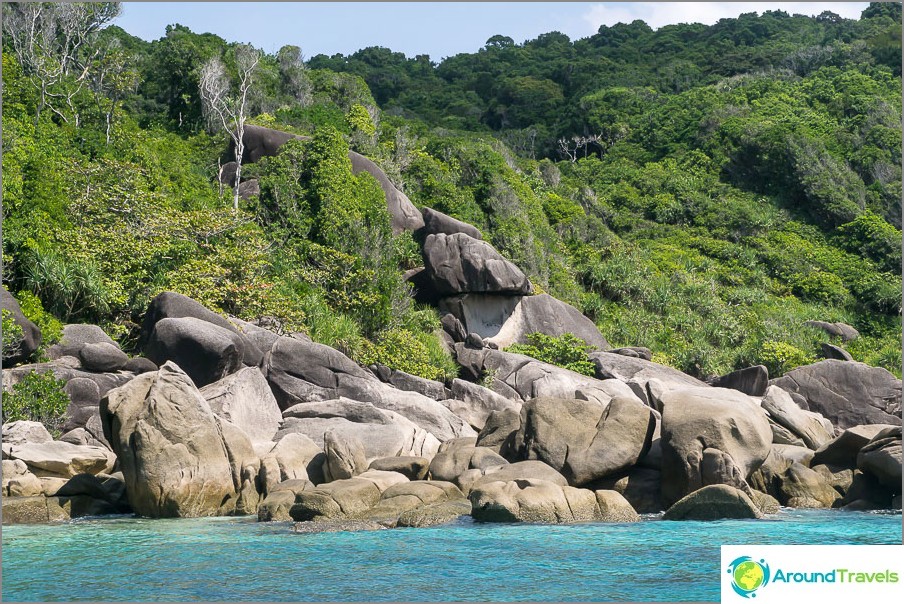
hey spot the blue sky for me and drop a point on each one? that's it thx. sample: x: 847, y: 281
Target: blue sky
x: 439, y: 29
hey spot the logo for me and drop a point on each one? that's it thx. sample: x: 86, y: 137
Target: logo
x: 748, y: 575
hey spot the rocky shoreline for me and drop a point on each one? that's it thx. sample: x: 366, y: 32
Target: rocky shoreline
x: 223, y: 417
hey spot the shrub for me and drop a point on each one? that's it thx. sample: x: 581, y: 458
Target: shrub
x: 567, y: 350
x: 780, y: 358
x: 51, y: 328
x: 419, y: 354
x: 12, y: 335
x: 71, y: 289
x: 39, y: 397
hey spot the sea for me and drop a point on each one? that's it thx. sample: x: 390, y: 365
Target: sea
x: 239, y: 559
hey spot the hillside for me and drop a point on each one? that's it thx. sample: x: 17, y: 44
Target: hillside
x: 703, y: 192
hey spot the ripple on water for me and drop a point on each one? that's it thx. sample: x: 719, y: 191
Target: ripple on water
x: 127, y: 558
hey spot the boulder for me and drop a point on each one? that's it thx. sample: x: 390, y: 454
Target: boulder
x: 413, y: 468
x: 508, y: 320
x: 344, y: 499
x: 435, y: 222
x: 521, y: 470
x: 170, y: 446
x: 62, y: 459
x: 31, y: 334
x: 454, y: 458
x: 840, y: 330
x: 620, y: 367
x: 881, y: 457
x: 139, y: 365
x: 532, y: 500
x: 383, y: 433
x: 262, y: 338
x: 276, y: 505
x: 713, y: 502
x: 641, y: 487
x: 408, y: 496
x: 459, y: 264
x: 405, y: 215
x: 614, y: 507
x: 474, y: 403
x: 294, y: 457
x: 18, y: 481
x: 521, y: 378
x: 412, y: 383
x: 102, y: 357
x: 206, y: 352
x: 750, y: 380
x: 718, y: 419
x: 22, y: 432
x: 75, y: 337
x: 801, y: 487
x: 831, y: 351
x: 847, y: 393
x: 584, y: 440
x: 435, y: 514
x: 170, y: 305
x: 249, y: 188
x: 344, y: 457
x: 813, y: 429
x: 499, y: 432
x: 244, y: 399
x: 843, y: 449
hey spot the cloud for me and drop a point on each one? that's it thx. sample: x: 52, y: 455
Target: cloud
x: 657, y: 14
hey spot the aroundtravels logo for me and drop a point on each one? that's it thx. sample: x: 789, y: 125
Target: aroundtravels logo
x: 748, y: 575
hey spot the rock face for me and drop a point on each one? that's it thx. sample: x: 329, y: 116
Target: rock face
x: 843, y: 449
x: 881, y: 457
x: 509, y: 320
x: 801, y: 487
x: 727, y: 424
x: 459, y: 264
x: 344, y: 499
x: 584, y: 440
x: 620, y: 367
x: 262, y: 142
x: 714, y: 502
x: 532, y: 501
x: 847, y: 393
x: 750, y: 380
x: 170, y: 305
x: 813, y: 429
x: 170, y: 446
x: 23, y: 432
x: 344, y: 457
x: 245, y: 400
x: 435, y: 222
x: 474, y: 403
x: 61, y: 459
x: 207, y: 353
x: 31, y: 334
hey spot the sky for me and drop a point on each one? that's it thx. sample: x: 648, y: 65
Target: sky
x: 438, y: 29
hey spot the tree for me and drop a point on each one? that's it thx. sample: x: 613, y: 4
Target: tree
x: 221, y: 108
x: 113, y: 77
x: 52, y: 42
x: 294, y: 74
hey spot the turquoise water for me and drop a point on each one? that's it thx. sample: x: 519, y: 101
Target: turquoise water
x: 127, y: 558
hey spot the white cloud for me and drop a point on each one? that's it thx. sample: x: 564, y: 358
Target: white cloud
x: 657, y: 14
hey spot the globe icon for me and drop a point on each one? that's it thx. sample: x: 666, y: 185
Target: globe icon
x: 748, y: 575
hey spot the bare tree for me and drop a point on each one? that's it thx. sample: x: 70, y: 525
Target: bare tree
x: 51, y: 42
x: 294, y: 74
x: 222, y: 108
x: 111, y: 78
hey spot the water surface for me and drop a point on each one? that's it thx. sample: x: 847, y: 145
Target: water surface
x: 214, y: 559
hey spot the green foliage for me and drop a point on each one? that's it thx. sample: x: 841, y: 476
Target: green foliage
x: 38, y: 397
x: 417, y: 353
x: 51, y: 327
x: 359, y: 119
x: 12, y: 335
x: 780, y: 358
x: 567, y: 350
x: 72, y: 289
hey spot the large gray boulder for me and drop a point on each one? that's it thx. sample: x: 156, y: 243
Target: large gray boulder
x: 614, y: 507
x: 170, y: 305
x: 383, y: 433
x: 61, y: 459
x: 244, y: 399
x: 584, y: 440
x: 620, y: 367
x: 532, y: 501
x: 102, y: 357
x: 75, y: 337
x: 170, y: 446
x: 344, y: 455
x: 206, y: 352
x: 435, y: 222
x: 750, y: 380
x: 344, y: 499
x: 455, y: 457
x: 728, y: 424
x: 802, y: 487
x: 24, y: 432
x: 843, y: 449
x: 714, y: 502
x: 813, y: 429
x: 509, y: 320
x: 521, y: 378
x: 31, y: 334
x: 474, y: 403
x: 294, y: 457
x: 641, y: 487
x: 459, y: 264
x: 302, y: 372
x: 881, y: 457
x: 406, y: 497
x: 840, y: 330
x: 847, y: 393
x: 521, y: 470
